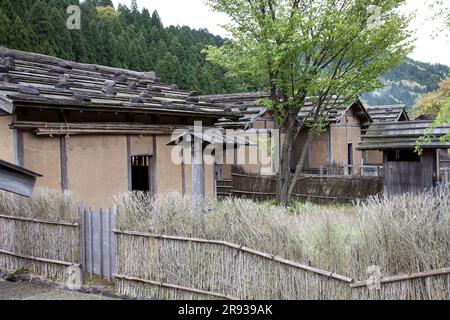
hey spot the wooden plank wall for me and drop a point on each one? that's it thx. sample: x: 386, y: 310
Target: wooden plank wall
x: 99, y: 253
x: 313, y: 188
x: 411, y: 176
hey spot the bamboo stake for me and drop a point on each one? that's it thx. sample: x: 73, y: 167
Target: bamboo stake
x: 294, y: 264
x: 65, y: 224
x: 174, y: 286
x: 17, y: 255
x: 412, y: 276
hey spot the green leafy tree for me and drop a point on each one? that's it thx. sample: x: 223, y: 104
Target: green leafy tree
x: 61, y: 36
x: 42, y: 37
x: 320, y: 48
x: 168, y: 68
x: 5, y: 25
x: 439, y: 101
x: 8, y: 9
x: 433, y: 103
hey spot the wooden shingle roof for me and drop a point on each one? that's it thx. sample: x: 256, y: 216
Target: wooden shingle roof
x: 38, y: 81
x: 388, y: 113
x: 250, y: 107
x: 246, y: 104
x: 403, y: 135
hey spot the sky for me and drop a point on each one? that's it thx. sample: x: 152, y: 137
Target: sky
x: 196, y: 14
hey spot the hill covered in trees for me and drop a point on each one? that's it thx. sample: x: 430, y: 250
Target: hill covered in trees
x: 407, y: 82
x: 133, y: 39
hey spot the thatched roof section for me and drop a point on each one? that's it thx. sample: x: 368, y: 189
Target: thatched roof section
x: 388, y: 113
x: 250, y: 106
x: 403, y: 135
x: 32, y: 80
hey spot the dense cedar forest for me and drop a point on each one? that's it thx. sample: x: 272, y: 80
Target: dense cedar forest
x: 137, y: 39
x: 122, y: 37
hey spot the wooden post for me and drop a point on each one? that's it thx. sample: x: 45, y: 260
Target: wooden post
x: 198, y: 170
x: 183, y: 173
x: 386, y: 174
x: 82, y: 240
x: 91, y: 242
x: 446, y: 179
x: 18, y: 147
x: 63, y: 157
x: 130, y: 183
x: 321, y: 171
x: 113, y: 242
x: 100, y: 215
x: 154, y: 168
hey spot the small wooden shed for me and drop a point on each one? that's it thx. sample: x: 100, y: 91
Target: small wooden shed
x: 405, y: 170
x: 16, y: 179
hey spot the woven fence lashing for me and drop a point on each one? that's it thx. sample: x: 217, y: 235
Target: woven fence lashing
x: 219, y: 268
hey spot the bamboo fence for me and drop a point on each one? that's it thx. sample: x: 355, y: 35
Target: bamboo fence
x: 174, y: 268
x: 428, y: 285
x: 169, y: 267
x: 44, y: 248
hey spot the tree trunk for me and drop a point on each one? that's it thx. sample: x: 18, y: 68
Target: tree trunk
x: 284, y: 171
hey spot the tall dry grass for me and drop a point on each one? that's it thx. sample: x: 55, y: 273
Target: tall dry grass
x: 35, y: 239
x: 44, y: 204
x: 403, y: 234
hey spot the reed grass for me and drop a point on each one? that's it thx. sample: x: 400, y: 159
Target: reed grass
x: 35, y: 239
x: 402, y: 235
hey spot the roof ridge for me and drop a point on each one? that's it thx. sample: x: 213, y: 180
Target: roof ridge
x: 48, y: 59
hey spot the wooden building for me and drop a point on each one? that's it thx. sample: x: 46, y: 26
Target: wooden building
x: 334, y: 150
x: 405, y: 170
x: 16, y: 179
x: 97, y: 131
x: 382, y: 114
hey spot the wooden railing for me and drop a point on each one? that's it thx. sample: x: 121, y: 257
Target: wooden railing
x: 347, y: 170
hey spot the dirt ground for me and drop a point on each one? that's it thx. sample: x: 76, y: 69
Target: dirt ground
x: 30, y: 291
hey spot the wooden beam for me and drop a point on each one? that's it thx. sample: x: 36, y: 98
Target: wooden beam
x: 63, y: 157
x: 198, y: 170
x: 154, y: 168
x: 18, y: 147
x: 183, y: 173
x: 129, y: 169
x: 386, y: 174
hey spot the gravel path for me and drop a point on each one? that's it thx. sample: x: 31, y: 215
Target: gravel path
x: 29, y: 291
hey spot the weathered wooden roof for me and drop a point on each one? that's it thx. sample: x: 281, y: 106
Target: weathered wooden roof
x: 32, y: 80
x: 246, y: 104
x: 16, y: 179
x: 210, y: 136
x: 388, y: 113
x: 335, y: 110
x: 403, y: 135
x: 250, y: 106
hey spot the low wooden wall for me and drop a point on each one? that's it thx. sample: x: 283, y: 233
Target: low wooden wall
x: 313, y: 188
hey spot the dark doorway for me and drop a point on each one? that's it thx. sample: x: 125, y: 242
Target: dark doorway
x: 350, y: 158
x: 140, y: 173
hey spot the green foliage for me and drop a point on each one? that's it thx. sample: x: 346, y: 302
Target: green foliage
x: 434, y: 103
x: 320, y: 48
